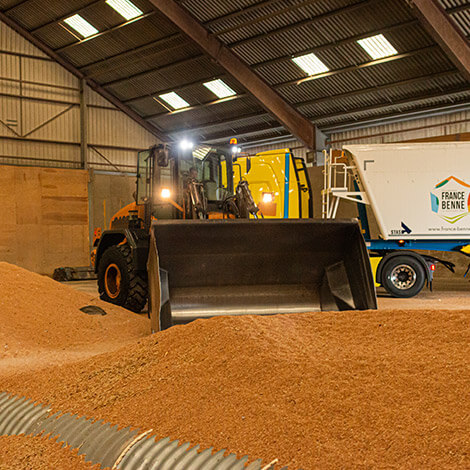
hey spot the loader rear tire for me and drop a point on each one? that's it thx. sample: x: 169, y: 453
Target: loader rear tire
x: 119, y: 282
x: 403, y: 276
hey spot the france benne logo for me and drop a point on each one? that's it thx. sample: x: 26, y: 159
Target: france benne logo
x: 450, y: 199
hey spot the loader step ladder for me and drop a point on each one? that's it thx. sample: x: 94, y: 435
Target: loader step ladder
x: 338, y: 177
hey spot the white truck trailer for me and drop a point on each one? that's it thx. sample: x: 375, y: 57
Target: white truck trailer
x: 419, y: 194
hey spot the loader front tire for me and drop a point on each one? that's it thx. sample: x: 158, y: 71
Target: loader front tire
x: 119, y: 282
x: 403, y: 276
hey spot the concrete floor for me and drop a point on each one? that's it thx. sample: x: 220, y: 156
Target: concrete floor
x: 447, y: 294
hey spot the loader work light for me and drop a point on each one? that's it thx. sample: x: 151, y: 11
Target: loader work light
x: 186, y: 145
x: 166, y: 193
x: 267, y: 198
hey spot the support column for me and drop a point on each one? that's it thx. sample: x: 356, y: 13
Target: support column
x: 83, y: 126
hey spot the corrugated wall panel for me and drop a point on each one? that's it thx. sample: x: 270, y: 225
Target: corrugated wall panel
x: 452, y: 124
x: 9, y: 116
x: 110, y: 127
x: 295, y: 145
x: 43, y: 112
x: 428, y: 128
x: 9, y: 66
x: 95, y: 99
x: 123, y: 160
x: 52, y: 122
x: 10, y: 41
x: 62, y: 153
x: 48, y: 72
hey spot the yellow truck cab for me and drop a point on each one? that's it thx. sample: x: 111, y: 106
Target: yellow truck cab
x: 278, y: 182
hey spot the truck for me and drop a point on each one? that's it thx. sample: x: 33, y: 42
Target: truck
x: 417, y: 196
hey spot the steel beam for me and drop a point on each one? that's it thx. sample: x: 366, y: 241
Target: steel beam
x: 83, y: 125
x: 301, y: 127
x: 91, y: 83
x: 238, y: 69
x: 445, y: 32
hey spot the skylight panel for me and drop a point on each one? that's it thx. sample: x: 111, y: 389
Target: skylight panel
x: 311, y: 64
x: 81, y: 25
x: 377, y: 46
x: 125, y: 8
x: 220, y: 88
x: 174, y: 100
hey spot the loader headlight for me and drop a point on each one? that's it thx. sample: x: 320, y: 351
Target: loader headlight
x: 267, y: 198
x: 166, y: 193
x: 186, y: 144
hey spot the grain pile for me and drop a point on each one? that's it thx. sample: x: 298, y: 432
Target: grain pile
x: 38, y: 453
x: 41, y: 322
x: 385, y: 389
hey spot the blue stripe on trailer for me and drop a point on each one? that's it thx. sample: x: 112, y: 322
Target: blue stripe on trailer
x: 436, y: 245
x: 286, y: 185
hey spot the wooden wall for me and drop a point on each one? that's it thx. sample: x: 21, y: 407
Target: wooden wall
x: 44, y: 218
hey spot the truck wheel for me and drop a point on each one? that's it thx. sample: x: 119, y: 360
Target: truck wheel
x: 403, y: 276
x: 118, y: 281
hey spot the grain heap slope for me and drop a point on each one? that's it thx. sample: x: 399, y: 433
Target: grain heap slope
x: 323, y: 390
x: 40, y: 318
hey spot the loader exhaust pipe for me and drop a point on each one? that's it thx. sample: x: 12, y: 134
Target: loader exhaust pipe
x: 200, y: 269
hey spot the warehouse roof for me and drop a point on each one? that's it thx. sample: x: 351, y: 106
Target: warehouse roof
x: 138, y: 60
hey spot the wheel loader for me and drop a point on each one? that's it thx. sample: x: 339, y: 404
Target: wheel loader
x: 213, y: 232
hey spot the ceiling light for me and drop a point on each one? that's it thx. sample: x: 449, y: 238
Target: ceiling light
x: 81, y: 25
x: 377, y: 46
x: 201, y: 152
x: 125, y: 8
x: 311, y: 64
x: 174, y: 100
x: 219, y: 88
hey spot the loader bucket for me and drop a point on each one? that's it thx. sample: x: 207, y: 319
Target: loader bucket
x: 205, y: 268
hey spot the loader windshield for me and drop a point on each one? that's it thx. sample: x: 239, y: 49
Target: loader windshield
x: 213, y: 169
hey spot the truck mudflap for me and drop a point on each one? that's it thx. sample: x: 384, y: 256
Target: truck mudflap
x: 199, y: 269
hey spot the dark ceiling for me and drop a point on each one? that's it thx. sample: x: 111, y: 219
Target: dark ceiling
x: 137, y: 61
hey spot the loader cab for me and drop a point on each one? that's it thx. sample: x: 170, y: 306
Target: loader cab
x: 155, y: 174
x: 161, y: 181
x: 214, y: 171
